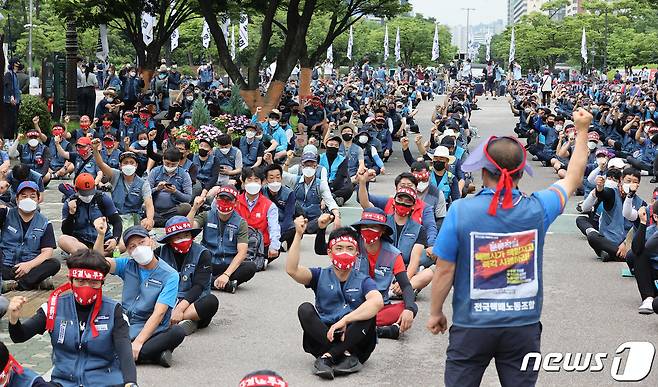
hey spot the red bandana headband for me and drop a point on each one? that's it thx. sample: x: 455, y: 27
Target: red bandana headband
x: 263, y: 380
x: 505, y: 182
x: 373, y: 216
x: 229, y: 190
x: 12, y: 364
x: 423, y: 175
x: 51, y: 308
x: 344, y: 238
x: 182, y: 226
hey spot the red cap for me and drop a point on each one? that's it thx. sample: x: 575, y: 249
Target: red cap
x: 593, y: 136
x: 84, y: 182
x: 407, y: 191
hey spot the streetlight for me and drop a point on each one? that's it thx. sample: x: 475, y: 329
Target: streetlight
x: 29, y: 45
x: 468, y: 25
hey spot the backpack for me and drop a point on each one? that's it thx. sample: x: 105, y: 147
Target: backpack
x: 256, y: 249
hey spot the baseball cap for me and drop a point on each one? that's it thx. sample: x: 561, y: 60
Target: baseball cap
x: 335, y: 138
x: 616, y: 163
x: 85, y: 185
x: 27, y: 184
x: 134, y: 231
x: 309, y: 157
x: 127, y: 154
x: 310, y: 148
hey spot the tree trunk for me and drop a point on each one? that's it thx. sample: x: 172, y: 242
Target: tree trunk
x: 253, y: 99
x: 305, y: 75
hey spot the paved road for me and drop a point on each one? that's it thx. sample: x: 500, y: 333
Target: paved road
x: 588, y: 308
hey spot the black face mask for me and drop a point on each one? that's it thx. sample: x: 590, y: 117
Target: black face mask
x: 439, y: 165
x: 203, y: 152
x: 379, y: 126
x: 551, y: 124
x: 332, y: 151
x: 347, y: 137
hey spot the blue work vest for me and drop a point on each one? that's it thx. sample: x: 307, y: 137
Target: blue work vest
x: 406, y: 239
x: 89, y: 167
x: 612, y: 223
x: 26, y: 379
x: 186, y: 165
x: 459, y: 152
x: 84, y: 360
x: 383, y: 267
x: 204, y: 172
x: 227, y: 159
x: 186, y: 273
x: 309, y: 201
x: 280, y: 200
x: 15, y: 247
x: 128, y: 201
x: 352, y: 155
x: 139, y: 298
x: 333, y: 169
x: 334, y: 301
x: 223, y: 246
x: 112, y: 159
x: 57, y: 161
x: 83, y: 223
x: 445, y: 184
x: 33, y: 159
x: 129, y: 131
x: 498, y: 273
x: 249, y: 151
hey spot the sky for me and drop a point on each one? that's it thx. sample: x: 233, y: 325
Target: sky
x: 449, y: 12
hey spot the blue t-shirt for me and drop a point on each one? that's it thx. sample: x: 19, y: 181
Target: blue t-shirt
x: 168, y: 295
x: 552, y: 199
x: 368, y: 284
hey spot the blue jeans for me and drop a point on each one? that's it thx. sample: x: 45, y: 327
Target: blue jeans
x: 470, y: 351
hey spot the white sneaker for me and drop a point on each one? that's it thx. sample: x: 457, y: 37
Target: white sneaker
x: 647, y: 306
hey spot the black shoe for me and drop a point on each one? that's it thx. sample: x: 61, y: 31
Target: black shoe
x: 605, y: 257
x: 324, y: 368
x: 165, y: 359
x: 654, y: 180
x: 349, y: 365
x: 340, y: 201
x: 389, y: 332
x: 231, y: 286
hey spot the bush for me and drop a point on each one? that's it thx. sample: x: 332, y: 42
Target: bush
x: 200, y: 113
x: 31, y: 106
x: 236, y: 105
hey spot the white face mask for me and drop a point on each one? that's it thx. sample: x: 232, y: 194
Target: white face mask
x: 363, y: 139
x: 250, y: 134
x: 169, y: 169
x: 274, y: 123
x: 143, y: 255
x: 308, y: 171
x: 559, y: 128
x: 190, y: 98
x: 259, y: 136
x: 132, y: 73
x: 601, y: 161
x: 626, y: 187
x: 610, y: 184
x: 143, y: 143
x: 27, y: 205
x: 252, y: 188
x: 128, y: 170
x: 225, y: 150
x: 591, y: 145
x: 274, y: 186
x: 422, y: 186
x: 86, y: 199
x: 33, y: 142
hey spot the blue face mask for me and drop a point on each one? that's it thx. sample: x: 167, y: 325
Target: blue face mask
x: 188, y: 121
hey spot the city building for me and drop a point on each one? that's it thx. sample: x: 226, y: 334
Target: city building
x: 478, y: 33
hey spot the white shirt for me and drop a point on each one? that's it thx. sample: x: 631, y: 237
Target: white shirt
x: 547, y: 83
